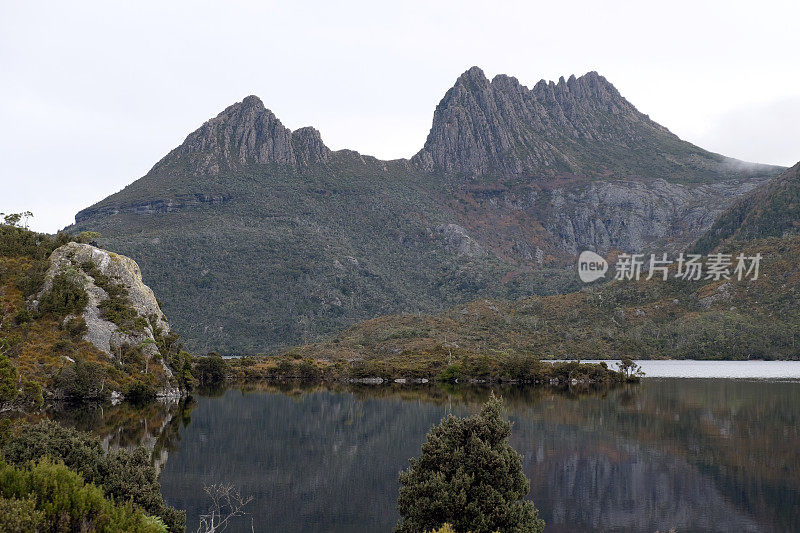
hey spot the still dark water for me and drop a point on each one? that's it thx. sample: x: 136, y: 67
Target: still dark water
x: 689, y: 454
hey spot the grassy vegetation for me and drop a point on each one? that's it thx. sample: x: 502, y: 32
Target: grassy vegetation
x: 726, y: 319
x: 447, y: 367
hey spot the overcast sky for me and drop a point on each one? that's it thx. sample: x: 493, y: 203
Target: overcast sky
x: 92, y: 94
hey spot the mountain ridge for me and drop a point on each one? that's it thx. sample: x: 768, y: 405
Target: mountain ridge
x: 260, y: 237
x: 501, y: 127
x: 771, y: 210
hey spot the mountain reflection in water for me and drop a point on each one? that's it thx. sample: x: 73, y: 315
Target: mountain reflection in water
x: 693, y: 455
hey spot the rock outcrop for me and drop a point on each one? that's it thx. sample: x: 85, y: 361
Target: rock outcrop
x: 111, y: 278
x: 459, y: 242
x: 181, y: 202
x: 245, y: 133
x: 581, y: 125
x: 635, y: 216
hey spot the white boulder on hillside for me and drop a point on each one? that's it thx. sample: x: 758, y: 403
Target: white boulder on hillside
x: 103, y: 334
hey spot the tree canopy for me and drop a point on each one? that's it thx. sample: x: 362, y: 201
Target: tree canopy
x: 468, y: 476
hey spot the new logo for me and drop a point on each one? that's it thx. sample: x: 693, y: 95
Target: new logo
x: 591, y: 266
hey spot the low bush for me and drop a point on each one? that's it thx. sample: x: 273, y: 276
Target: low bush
x: 122, y: 474
x: 66, y: 297
x: 82, y: 380
x: 451, y: 374
x: 8, y: 381
x: 51, y: 497
x: 210, y: 370
x: 138, y: 392
x: 76, y: 326
x: 20, y: 515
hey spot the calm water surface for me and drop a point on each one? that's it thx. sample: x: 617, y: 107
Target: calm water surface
x: 719, y: 369
x: 691, y: 454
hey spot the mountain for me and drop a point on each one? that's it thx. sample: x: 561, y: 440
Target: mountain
x: 579, y: 126
x: 772, y: 210
x: 258, y: 237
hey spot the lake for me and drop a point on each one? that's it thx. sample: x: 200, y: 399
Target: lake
x: 691, y: 452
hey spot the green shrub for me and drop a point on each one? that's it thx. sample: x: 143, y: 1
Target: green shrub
x: 76, y: 326
x: 138, y: 392
x: 119, y: 312
x: 82, y: 381
x: 63, y: 501
x: 307, y: 369
x: 451, y: 374
x: 85, y: 237
x: 284, y: 368
x: 31, y: 281
x: 8, y: 380
x: 211, y: 370
x: 63, y: 346
x: 66, y: 297
x: 23, y: 316
x: 30, y: 396
x: 16, y: 242
x: 20, y: 516
x: 125, y: 475
x: 468, y: 475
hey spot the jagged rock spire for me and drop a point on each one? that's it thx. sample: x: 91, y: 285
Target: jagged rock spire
x: 501, y: 127
x: 247, y: 133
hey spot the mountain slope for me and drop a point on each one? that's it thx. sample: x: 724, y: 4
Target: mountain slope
x: 772, y: 210
x: 674, y: 319
x: 258, y: 237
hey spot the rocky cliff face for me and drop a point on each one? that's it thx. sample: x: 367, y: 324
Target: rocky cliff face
x: 581, y: 125
x: 175, y: 203
x: 630, y: 215
x: 245, y: 133
x: 122, y: 313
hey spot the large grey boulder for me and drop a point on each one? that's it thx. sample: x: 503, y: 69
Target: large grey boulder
x: 106, y: 336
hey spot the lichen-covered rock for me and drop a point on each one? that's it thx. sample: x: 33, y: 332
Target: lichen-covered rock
x: 100, y: 273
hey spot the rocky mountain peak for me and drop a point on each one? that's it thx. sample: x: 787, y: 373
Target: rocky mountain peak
x: 245, y: 133
x: 577, y: 125
x: 251, y: 101
x: 308, y: 146
x: 473, y: 77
